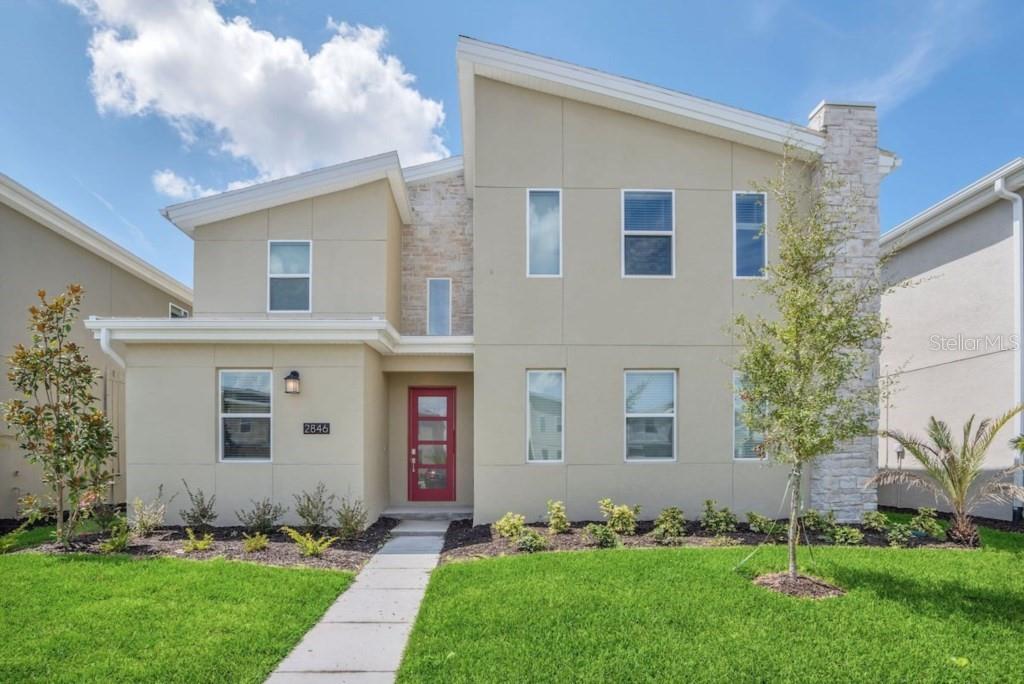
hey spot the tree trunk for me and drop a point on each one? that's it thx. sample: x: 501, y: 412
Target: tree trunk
x: 794, y: 516
x: 60, y: 513
x: 962, y: 530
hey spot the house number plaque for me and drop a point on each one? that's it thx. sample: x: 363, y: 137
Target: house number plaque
x: 316, y: 428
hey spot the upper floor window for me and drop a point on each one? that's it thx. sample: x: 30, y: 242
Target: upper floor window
x: 175, y: 311
x: 544, y: 233
x: 650, y: 415
x: 648, y: 233
x: 749, y: 234
x: 745, y: 442
x: 439, y: 306
x: 289, y: 275
x: 545, y: 394
x: 245, y: 415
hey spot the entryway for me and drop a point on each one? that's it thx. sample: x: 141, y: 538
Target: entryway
x: 432, y: 444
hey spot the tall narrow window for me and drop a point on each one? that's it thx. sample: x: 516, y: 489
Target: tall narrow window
x: 245, y: 414
x: 648, y: 233
x: 544, y: 233
x: 289, y: 275
x: 439, y: 306
x: 749, y: 235
x: 745, y: 442
x: 545, y: 396
x: 650, y: 415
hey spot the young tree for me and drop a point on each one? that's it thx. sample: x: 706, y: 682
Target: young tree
x: 803, y: 370
x: 56, y: 421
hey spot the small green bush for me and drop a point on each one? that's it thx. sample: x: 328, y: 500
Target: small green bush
x: 844, y: 535
x: 146, y: 518
x: 925, y: 522
x: 120, y: 536
x: 669, y: 526
x: 257, y: 542
x: 106, y: 516
x: 351, y: 519
x: 531, y: 541
x: 602, y: 536
x: 620, y: 518
x: 315, y: 509
x: 717, y: 522
x: 263, y: 517
x: 309, y: 546
x: 558, y: 521
x: 899, y: 534
x: 8, y: 541
x: 202, y: 513
x: 876, y: 521
x: 510, y: 525
x: 814, y: 521
x: 194, y: 544
x: 762, y: 524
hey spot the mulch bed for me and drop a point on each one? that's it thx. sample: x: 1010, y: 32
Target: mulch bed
x: 465, y: 541
x: 802, y: 587
x: 282, y: 551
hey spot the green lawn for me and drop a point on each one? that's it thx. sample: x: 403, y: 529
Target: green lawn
x: 118, y: 619
x: 34, y: 536
x: 686, y: 615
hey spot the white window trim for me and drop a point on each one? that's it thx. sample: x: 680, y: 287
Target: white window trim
x: 530, y: 461
x: 221, y: 415
x: 627, y: 415
x: 736, y: 459
x: 764, y: 241
x: 450, y: 312
x: 560, y: 240
x: 171, y: 306
x: 643, y: 233
x: 309, y: 275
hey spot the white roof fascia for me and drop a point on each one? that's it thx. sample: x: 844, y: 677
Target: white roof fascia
x: 26, y: 202
x: 961, y: 203
x: 431, y: 170
x: 225, y: 205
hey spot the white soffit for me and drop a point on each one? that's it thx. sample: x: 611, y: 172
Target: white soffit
x: 29, y: 204
x: 961, y: 203
x: 225, y: 205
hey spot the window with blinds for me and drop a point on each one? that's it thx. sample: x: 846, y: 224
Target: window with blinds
x: 749, y: 234
x: 648, y: 233
x: 745, y: 442
x: 245, y: 415
x: 650, y: 415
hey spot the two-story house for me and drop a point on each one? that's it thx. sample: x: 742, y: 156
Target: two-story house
x: 546, y: 317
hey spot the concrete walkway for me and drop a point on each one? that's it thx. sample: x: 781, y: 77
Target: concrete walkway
x: 360, y: 639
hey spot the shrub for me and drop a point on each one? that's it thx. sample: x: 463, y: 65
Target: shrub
x: 147, y: 517
x: 120, y: 536
x: 106, y: 516
x: 899, y: 534
x: 558, y: 521
x: 254, y: 543
x: 351, y: 519
x: 194, y: 544
x: 510, y: 525
x: 669, y: 526
x: 531, y: 541
x: 845, y: 535
x: 263, y: 517
x: 876, y: 521
x: 201, y: 514
x: 316, y: 509
x: 925, y: 522
x: 815, y: 521
x: 717, y: 522
x: 762, y: 524
x: 309, y: 546
x: 620, y: 518
x: 603, y: 536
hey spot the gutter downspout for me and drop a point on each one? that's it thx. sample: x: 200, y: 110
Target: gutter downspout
x: 109, y: 350
x: 1018, y: 314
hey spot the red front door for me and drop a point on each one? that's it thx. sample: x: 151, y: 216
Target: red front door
x: 431, y: 444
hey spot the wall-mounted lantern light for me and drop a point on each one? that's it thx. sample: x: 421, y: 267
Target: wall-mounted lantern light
x: 291, y: 383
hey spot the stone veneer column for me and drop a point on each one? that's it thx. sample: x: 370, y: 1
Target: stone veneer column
x: 851, y: 156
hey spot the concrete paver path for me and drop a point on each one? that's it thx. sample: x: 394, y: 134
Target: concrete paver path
x: 361, y: 637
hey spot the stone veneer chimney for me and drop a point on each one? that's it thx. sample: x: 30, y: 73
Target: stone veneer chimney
x: 851, y: 156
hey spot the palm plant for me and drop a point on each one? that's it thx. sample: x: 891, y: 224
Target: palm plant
x: 952, y: 468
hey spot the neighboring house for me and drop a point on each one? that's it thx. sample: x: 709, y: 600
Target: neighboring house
x: 43, y: 248
x: 955, y: 332
x: 544, y: 318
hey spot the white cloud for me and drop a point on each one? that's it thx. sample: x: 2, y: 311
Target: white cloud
x: 260, y: 97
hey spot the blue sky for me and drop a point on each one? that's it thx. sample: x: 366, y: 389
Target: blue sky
x: 123, y: 109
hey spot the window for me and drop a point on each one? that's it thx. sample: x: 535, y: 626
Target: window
x: 749, y: 241
x: 439, y: 306
x: 650, y: 415
x: 545, y: 399
x: 289, y: 271
x: 544, y: 234
x: 745, y: 442
x: 175, y: 311
x: 245, y: 413
x: 648, y: 233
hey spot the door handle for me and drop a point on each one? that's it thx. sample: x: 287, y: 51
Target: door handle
x: 412, y: 464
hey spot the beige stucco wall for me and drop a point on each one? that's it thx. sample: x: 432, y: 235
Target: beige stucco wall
x: 356, y: 256
x: 960, y: 293
x: 33, y: 257
x: 596, y: 324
